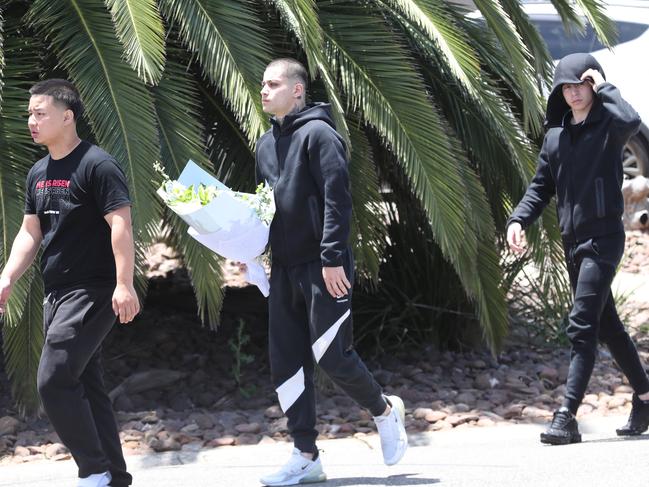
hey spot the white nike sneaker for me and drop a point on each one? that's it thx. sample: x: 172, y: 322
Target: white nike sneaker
x: 298, y: 470
x: 96, y: 480
x: 392, y: 430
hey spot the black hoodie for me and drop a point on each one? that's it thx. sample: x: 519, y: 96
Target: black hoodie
x: 581, y: 164
x: 304, y: 160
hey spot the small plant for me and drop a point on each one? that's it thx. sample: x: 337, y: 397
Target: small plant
x: 241, y: 359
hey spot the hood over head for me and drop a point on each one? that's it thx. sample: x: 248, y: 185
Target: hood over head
x: 312, y: 111
x: 569, y: 70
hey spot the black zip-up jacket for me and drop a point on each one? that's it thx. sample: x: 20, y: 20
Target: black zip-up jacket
x: 304, y: 160
x: 581, y: 164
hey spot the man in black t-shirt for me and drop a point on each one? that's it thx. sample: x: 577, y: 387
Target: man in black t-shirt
x: 77, y: 209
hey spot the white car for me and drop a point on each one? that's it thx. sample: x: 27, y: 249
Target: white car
x: 626, y: 66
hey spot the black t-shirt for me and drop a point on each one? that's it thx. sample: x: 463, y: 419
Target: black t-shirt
x: 71, y: 196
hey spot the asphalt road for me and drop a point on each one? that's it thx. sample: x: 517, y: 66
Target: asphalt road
x: 500, y: 456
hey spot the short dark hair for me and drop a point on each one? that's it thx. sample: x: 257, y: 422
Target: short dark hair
x: 293, y: 69
x: 63, y: 92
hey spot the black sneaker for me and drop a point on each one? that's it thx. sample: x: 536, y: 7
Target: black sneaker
x: 563, y: 430
x: 638, y: 420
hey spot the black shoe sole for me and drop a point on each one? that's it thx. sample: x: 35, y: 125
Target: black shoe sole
x: 630, y: 432
x: 559, y: 440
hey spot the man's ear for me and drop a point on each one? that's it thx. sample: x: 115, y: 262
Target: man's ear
x: 298, y: 90
x: 68, y: 116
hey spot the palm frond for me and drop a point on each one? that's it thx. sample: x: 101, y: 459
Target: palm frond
x: 437, y: 37
x: 519, y: 60
x: 541, y: 59
x: 181, y: 135
x: 431, y: 25
x: 379, y: 78
x: 22, y: 330
x: 17, y: 148
x: 141, y: 32
x: 604, y: 27
x: 118, y: 105
x: 232, y: 158
x: 369, y: 226
x: 232, y: 49
x: 571, y: 16
x: 22, y: 345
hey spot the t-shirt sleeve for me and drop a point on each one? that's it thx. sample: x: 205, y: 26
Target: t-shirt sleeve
x: 30, y: 205
x: 109, y: 187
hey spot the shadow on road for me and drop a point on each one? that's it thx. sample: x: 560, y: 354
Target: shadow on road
x: 402, y: 479
x: 619, y: 439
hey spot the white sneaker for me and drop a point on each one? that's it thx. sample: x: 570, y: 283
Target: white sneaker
x: 298, y: 470
x: 394, y: 441
x: 96, y: 480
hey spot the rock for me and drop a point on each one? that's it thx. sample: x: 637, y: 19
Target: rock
x: 616, y: 402
x: 123, y: 403
x: 434, y: 416
x: 204, y: 421
x: 549, y: 373
x: 168, y: 444
x: 514, y: 411
x: 532, y: 412
x: 198, y: 377
x: 461, y: 408
x: 585, y: 409
x: 486, y: 422
x: 383, y: 377
x: 483, y: 381
x: 275, y: 412
x: 456, y: 420
x: 248, y: 439
x: 192, y: 447
x: 190, y: 428
x: 420, y: 413
x: 21, y: 451
x: 206, y: 399
x: 55, y: 449
x: 425, y: 379
x: 266, y: 440
x: 9, y: 426
x: 441, y: 426
x: 61, y: 457
x: 248, y: 428
x: 26, y: 438
x: 623, y: 389
x: 222, y: 441
x: 278, y: 426
x: 150, y: 418
x: 180, y: 402
x: 466, y: 397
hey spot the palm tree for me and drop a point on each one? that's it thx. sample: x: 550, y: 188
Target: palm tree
x: 453, y: 101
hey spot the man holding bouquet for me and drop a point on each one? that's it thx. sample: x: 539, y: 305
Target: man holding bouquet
x: 77, y: 209
x: 304, y: 159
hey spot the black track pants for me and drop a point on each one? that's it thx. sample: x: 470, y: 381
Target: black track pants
x: 70, y: 380
x: 593, y: 318
x: 306, y: 323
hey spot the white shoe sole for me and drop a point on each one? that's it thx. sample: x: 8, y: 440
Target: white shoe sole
x: 309, y: 479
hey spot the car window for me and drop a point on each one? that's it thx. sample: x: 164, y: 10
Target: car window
x: 561, y: 43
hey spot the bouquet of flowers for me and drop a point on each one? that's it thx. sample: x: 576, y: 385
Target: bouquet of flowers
x: 234, y: 225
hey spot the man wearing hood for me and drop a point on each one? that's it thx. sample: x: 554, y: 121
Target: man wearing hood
x: 304, y: 160
x: 588, y: 123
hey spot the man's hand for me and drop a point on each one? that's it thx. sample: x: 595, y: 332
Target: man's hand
x: 5, y: 291
x: 516, y: 238
x: 336, y: 281
x: 125, y: 303
x: 594, y: 77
